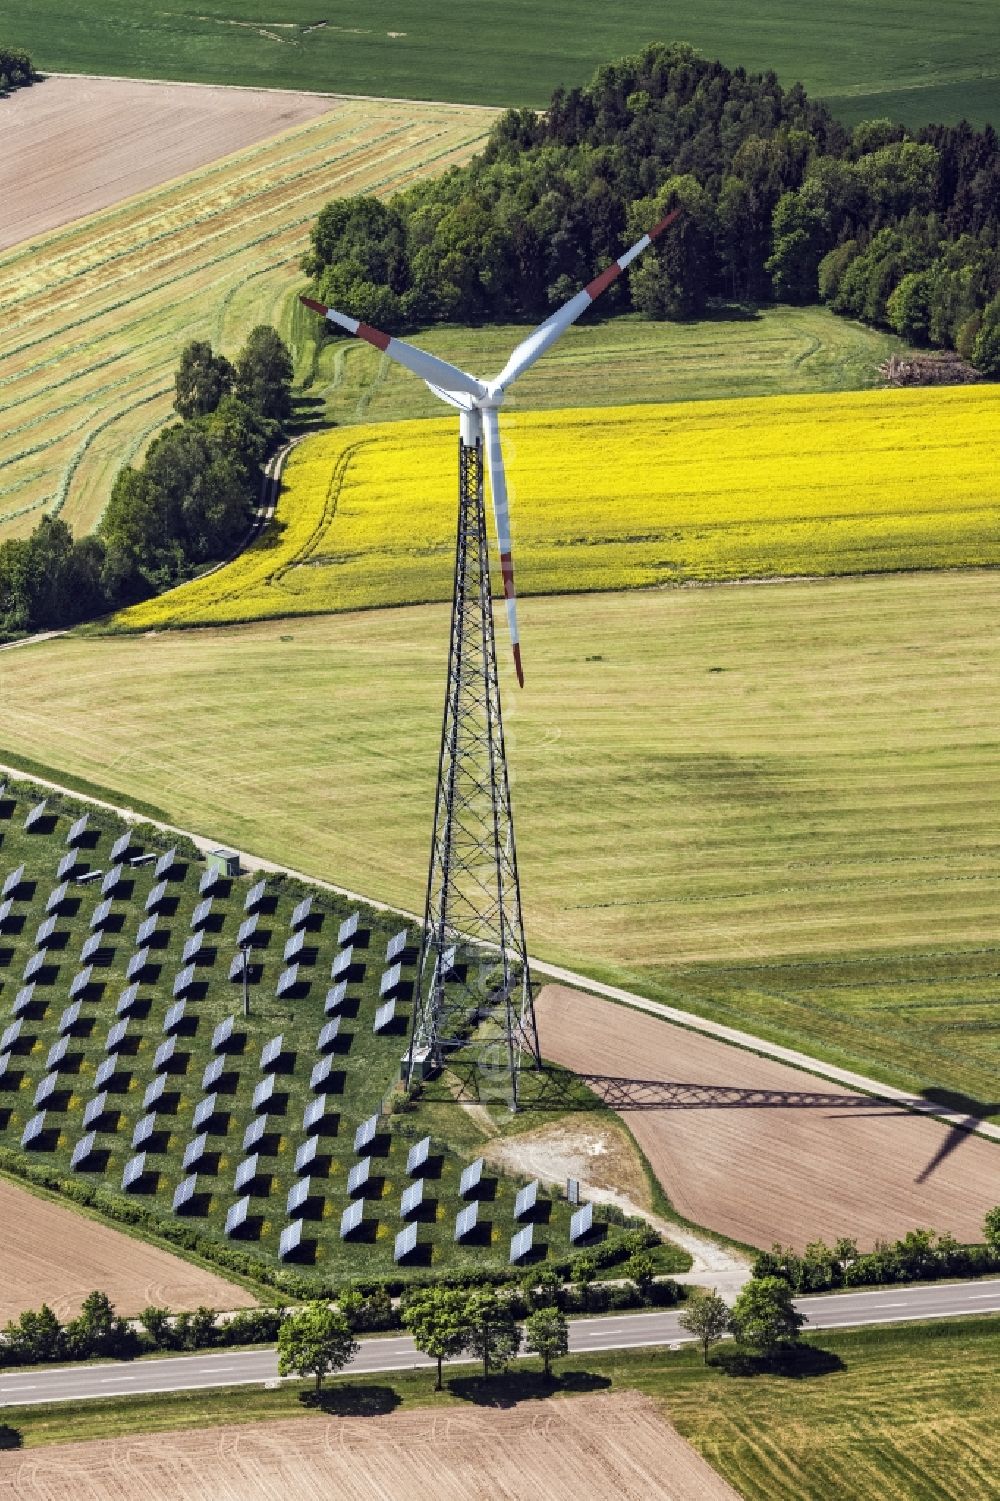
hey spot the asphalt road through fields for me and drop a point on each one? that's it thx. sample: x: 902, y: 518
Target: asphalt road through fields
x: 889, y: 1305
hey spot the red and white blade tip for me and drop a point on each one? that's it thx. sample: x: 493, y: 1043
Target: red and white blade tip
x: 517, y: 664
x: 659, y: 228
x: 317, y: 307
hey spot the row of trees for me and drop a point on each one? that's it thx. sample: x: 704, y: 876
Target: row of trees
x: 16, y: 68
x: 189, y: 502
x: 779, y: 200
x: 917, y: 1256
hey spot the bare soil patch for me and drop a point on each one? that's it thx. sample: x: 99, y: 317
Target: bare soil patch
x: 75, y: 145
x: 53, y: 1255
x: 763, y: 1152
x: 601, y: 1447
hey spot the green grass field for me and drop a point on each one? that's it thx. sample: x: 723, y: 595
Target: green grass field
x: 914, y: 59
x: 770, y: 804
x: 905, y: 1413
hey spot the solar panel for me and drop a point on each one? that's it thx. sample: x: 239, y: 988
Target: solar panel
x: 193, y: 949
x: 526, y: 1200
x: 298, y: 1196
x: 358, y: 1177
x: 11, y: 1035
x: 466, y: 1221
x: 351, y: 1219
x: 23, y: 1000
x: 116, y: 1035
x: 306, y: 1154
x: 6, y: 1064
x: 302, y: 913
x: 295, y: 945
x: 255, y: 1133
x: 222, y: 1034
x: 581, y: 1224
x: 34, y: 966
x: 210, y: 878
x: 146, y: 930
x: 366, y: 1133
x: 70, y: 1017
x: 184, y: 980
x: 46, y: 1089
x: 174, y: 1017
x: 255, y: 896
x: 165, y: 864
x: 236, y: 967
x: 121, y: 846
x: 137, y: 964
x: 106, y: 1071
x: 127, y: 1001
x: 83, y: 1149
x: 145, y: 1127
x: 314, y: 1114
x: 196, y: 1150
x: 12, y: 882
x: 66, y: 865
x: 80, y: 981
x: 417, y: 1156
x: 101, y: 914
x: 112, y: 880
x: 45, y: 932
x: 413, y: 1198
x: 237, y: 1216
x: 288, y: 980
x: 36, y: 813
x: 471, y: 1178
x: 335, y: 998
x: 204, y: 1112
x: 321, y: 1075
x: 164, y: 1055
x: 57, y: 1055
x: 396, y: 946
x: 327, y: 1039
x: 33, y: 1130
x: 184, y: 1193
x: 247, y: 1172
x: 56, y: 897
x: 5, y: 910
x: 271, y: 1053
x: 391, y: 980
x: 155, y: 1090
x: 213, y: 1073
x: 156, y: 896
x: 263, y: 1094
x: 248, y: 928
x: 201, y: 913
x: 134, y: 1170
x: 521, y: 1244
x: 78, y: 830
x: 91, y: 947
x: 406, y: 1243
x: 342, y: 964
x: 95, y: 1108
x: 290, y: 1241
x: 384, y: 1017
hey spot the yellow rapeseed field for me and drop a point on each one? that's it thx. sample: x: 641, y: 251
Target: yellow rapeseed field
x: 627, y: 497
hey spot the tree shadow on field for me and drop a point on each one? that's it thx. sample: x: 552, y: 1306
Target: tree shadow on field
x: 350, y: 1401
x: 10, y: 1438
x: 523, y: 1386
x: 795, y: 1362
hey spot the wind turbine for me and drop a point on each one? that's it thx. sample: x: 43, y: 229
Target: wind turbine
x: 473, y: 960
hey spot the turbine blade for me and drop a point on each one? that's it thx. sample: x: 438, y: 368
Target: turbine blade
x: 453, y: 398
x: 546, y: 334
x: 501, y: 516
x: 430, y: 369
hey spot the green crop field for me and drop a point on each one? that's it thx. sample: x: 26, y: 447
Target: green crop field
x: 360, y: 1068
x: 917, y: 60
x: 99, y: 310
x: 906, y: 1413
x: 770, y: 804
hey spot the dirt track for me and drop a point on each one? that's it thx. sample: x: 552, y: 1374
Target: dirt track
x: 75, y: 145
x: 795, y: 1160
x: 593, y: 1447
x: 54, y: 1255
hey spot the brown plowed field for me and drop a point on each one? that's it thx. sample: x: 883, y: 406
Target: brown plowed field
x: 75, y: 145
x: 598, y: 1448
x: 763, y: 1152
x: 53, y: 1255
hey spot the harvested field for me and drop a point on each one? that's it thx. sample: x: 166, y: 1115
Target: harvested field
x: 75, y: 145
x: 52, y: 1254
x: 594, y: 1446
x: 763, y: 1152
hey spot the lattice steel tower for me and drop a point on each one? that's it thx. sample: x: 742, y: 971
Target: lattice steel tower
x: 474, y: 978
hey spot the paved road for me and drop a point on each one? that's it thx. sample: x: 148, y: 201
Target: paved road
x: 396, y: 1353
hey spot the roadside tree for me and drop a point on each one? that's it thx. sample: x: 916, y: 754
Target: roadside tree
x: 764, y: 1317
x: 547, y: 1335
x: 438, y: 1319
x: 316, y: 1341
x: 706, y: 1316
x: 493, y: 1333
